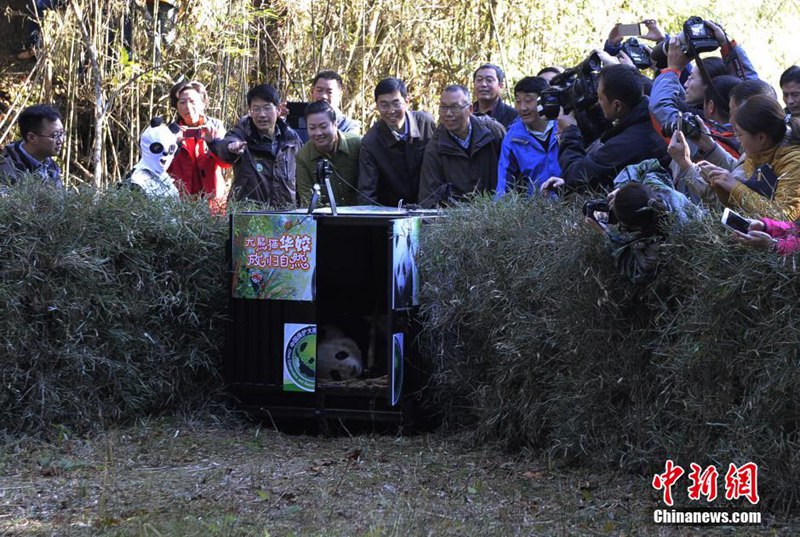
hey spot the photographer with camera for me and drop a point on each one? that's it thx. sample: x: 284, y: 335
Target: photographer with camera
x: 630, y: 140
x: 632, y: 48
x: 197, y: 171
x: 669, y: 98
x: 637, y: 217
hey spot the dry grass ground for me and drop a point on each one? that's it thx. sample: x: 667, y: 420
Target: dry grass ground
x: 226, y: 477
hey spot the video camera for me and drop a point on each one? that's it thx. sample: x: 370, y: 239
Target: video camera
x: 574, y: 89
x: 638, y: 53
x: 695, y: 38
x: 687, y: 123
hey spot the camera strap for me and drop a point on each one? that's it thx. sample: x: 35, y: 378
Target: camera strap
x: 764, y: 181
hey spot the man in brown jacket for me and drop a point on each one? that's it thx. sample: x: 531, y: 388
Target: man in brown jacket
x: 392, y: 150
x: 462, y: 156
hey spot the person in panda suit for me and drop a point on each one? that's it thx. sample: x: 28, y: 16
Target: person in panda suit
x: 158, y: 145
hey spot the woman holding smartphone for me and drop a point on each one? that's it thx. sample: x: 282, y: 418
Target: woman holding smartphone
x: 767, y: 234
x: 196, y: 170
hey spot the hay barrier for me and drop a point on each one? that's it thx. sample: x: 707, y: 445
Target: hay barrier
x: 113, y: 307
x: 538, y: 343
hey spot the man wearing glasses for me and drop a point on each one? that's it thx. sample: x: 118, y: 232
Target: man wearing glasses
x: 463, y: 153
x: 42, y: 138
x: 262, y: 149
x: 392, y: 150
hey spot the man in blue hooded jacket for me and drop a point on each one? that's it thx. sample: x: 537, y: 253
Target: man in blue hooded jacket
x: 529, y: 155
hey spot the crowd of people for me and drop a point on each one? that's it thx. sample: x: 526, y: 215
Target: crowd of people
x: 695, y: 134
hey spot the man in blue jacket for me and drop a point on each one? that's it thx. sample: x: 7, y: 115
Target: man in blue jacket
x: 529, y: 155
x: 630, y: 140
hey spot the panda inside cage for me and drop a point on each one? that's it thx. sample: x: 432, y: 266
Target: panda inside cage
x: 355, y: 293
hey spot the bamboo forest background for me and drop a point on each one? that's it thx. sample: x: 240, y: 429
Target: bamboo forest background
x: 230, y: 45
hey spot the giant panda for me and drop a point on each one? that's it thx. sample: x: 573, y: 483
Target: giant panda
x: 338, y: 356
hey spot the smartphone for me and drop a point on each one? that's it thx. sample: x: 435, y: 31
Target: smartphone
x: 193, y: 133
x: 736, y: 222
x: 679, y: 126
x: 634, y: 29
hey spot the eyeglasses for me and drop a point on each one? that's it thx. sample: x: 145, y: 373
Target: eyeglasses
x: 394, y: 105
x: 55, y: 136
x: 266, y: 109
x: 454, y: 108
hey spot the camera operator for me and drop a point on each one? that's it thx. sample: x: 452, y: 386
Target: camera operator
x: 669, y: 97
x: 630, y: 140
x: 613, y: 44
x: 548, y: 73
x: 637, y: 217
x: 686, y: 133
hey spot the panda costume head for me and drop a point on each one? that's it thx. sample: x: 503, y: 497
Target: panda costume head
x: 158, y: 144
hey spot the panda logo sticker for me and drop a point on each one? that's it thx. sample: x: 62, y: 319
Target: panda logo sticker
x: 299, y: 357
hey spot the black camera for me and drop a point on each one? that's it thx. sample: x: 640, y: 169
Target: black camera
x: 574, y: 89
x: 687, y: 123
x: 695, y: 38
x: 591, y: 207
x: 638, y: 53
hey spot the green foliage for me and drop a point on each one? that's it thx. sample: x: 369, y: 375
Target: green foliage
x: 539, y: 343
x: 113, y: 306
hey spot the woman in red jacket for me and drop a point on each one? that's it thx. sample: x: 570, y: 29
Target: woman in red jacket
x: 196, y: 170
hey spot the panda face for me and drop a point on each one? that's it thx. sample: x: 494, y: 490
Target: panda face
x: 338, y: 357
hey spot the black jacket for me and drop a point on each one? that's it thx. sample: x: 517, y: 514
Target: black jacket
x: 264, y: 172
x: 503, y: 113
x: 389, y: 168
x: 630, y: 141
